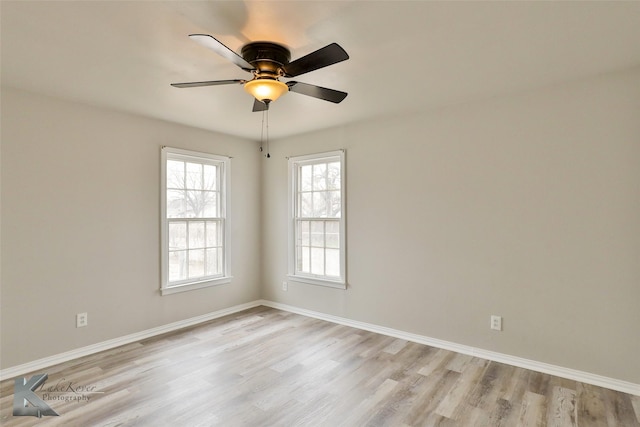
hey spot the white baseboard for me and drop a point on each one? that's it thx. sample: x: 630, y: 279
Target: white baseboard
x: 40, y: 364
x: 585, y: 377
x: 559, y: 371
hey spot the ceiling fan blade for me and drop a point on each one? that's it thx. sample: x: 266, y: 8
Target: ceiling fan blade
x: 330, y: 95
x: 259, y: 106
x: 211, y: 43
x: 209, y: 83
x: 328, y: 55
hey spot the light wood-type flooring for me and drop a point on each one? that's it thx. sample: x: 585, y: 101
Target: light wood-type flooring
x: 265, y: 367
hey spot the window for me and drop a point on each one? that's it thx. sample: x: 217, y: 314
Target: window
x: 195, y: 238
x: 317, y: 219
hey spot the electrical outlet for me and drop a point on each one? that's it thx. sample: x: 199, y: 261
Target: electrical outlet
x: 82, y: 320
x: 496, y: 323
x: 285, y: 286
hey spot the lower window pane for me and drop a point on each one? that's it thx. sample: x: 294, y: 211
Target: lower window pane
x: 304, y: 232
x: 317, y: 233
x: 333, y: 262
x: 306, y: 261
x: 196, y: 263
x: 317, y: 261
x: 196, y: 235
x: 212, y: 234
x: 212, y: 262
x: 333, y: 234
x: 177, y: 235
x: 177, y: 266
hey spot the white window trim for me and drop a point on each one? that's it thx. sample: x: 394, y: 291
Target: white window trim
x: 341, y: 283
x: 164, y: 235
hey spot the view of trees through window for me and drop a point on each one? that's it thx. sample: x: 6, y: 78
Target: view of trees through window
x: 195, y: 223
x: 318, y: 212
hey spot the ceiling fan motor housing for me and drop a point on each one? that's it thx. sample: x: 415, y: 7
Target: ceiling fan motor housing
x: 268, y: 58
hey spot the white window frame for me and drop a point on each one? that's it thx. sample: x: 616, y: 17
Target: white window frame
x: 224, y: 163
x: 294, y: 167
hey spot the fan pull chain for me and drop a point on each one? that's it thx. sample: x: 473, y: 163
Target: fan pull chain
x: 262, y: 132
x: 267, y: 110
x: 265, y: 130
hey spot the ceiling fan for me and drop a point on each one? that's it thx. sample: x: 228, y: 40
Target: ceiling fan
x: 269, y: 62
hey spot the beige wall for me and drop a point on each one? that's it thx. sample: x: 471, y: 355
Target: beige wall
x: 80, y: 225
x: 526, y: 207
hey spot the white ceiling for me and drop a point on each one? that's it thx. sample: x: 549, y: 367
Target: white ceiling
x: 405, y: 56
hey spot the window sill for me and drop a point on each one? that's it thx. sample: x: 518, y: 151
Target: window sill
x: 193, y: 286
x: 318, y: 282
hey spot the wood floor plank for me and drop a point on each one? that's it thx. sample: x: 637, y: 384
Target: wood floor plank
x: 395, y: 346
x: 621, y: 411
x: 459, y: 361
x: 635, y: 403
x: 516, y: 385
x: 466, y: 384
x: 440, y: 358
x: 503, y: 413
x: 561, y: 410
x: 532, y: 410
x: 265, y: 367
x: 591, y: 408
x: 433, y: 392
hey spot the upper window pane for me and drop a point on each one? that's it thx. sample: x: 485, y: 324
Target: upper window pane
x: 333, y: 176
x: 176, y: 204
x: 210, y: 204
x: 306, y: 177
x: 210, y: 177
x: 175, y: 174
x: 320, y: 204
x: 320, y: 176
x: 194, y: 176
x: 334, y: 204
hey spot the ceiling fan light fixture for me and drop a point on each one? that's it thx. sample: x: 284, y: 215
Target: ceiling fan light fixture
x: 264, y: 89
